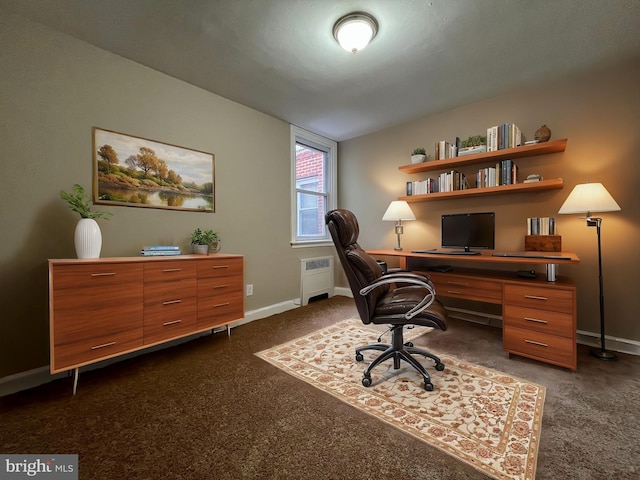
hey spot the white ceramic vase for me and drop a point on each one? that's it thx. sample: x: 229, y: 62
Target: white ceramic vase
x: 88, y: 238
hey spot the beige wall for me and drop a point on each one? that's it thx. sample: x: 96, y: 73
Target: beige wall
x: 599, y: 113
x: 53, y: 90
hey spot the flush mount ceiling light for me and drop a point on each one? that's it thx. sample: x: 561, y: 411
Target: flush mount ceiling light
x: 355, y: 30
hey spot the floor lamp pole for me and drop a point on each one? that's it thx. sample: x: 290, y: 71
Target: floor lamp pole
x: 601, y: 353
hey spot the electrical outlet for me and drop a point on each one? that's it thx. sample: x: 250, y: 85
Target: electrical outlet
x: 249, y: 289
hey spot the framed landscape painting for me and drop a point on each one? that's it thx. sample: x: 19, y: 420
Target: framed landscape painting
x: 137, y: 172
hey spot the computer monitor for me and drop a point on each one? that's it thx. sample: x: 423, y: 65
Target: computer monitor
x: 469, y: 230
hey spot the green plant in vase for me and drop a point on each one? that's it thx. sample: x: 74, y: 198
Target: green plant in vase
x: 87, y: 237
x: 202, y: 240
x: 79, y: 203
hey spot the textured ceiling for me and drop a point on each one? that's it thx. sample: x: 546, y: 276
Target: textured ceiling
x: 279, y: 56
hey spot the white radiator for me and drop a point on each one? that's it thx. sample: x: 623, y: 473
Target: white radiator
x: 316, y: 278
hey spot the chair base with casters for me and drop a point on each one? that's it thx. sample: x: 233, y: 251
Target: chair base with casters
x: 398, y: 350
x: 397, y: 299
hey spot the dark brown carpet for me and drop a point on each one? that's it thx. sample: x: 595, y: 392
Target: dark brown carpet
x: 210, y: 409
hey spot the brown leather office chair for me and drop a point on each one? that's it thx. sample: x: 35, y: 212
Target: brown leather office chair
x: 397, y: 299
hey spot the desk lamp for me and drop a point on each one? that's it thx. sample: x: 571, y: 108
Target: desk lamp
x: 593, y: 197
x: 398, y: 210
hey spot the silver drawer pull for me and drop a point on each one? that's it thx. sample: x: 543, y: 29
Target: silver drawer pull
x: 221, y: 266
x: 171, y: 323
x: 171, y: 302
x: 462, y: 284
x: 220, y: 286
x: 222, y: 304
x: 454, y: 292
x: 172, y: 270
x: 107, y: 274
x: 536, y: 320
x: 536, y: 343
x: 96, y: 347
x: 534, y: 297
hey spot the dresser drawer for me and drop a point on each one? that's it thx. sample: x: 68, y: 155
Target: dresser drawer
x: 220, y: 309
x: 170, y: 309
x: 540, y: 346
x: 459, y: 286
x: 219, y: 286
x: 94, y: 275
x: 81, y: 324
x: 543, y: 321
x: 167, y: 271
x: 219, y: 267
x: 98, y: 347
x: 545, y: 298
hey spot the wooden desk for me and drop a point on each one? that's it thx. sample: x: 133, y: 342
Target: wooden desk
x: 538, y: 316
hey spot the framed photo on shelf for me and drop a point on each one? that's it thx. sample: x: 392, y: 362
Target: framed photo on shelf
x: 137, y: 172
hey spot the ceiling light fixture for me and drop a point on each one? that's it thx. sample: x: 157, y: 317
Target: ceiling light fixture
x: 355, y: 30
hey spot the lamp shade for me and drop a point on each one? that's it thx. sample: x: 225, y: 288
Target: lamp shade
x: 354, y: 31
x: 398, y: 210
x: 587, y: 198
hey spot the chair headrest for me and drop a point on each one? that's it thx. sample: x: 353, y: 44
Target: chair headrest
x: 346, y: 226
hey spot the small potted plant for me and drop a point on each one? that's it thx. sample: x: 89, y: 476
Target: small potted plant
x: 473, y: 144
x: 418, y: 155
x: 202, y: 240
x: 87, y: 236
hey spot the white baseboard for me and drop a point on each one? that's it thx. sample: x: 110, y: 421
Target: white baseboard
x: 345, y: 292
x: 616, y: 344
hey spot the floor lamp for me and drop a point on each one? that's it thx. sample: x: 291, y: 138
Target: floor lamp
x: 593, y: 197
x: 398, y: 210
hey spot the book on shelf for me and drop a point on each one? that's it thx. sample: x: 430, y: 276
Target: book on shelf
x: 504, y: 173
x: 445, y: 182
x: 506, y: 135
x: 160, y: 253
x: 541, y: 226
x: 160, y: 250
x: 149, y: 248
x: 446, y: 150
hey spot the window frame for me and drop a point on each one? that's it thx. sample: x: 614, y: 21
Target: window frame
x: 330, y: 147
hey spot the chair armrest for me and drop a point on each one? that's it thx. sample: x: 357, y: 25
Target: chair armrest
x: 412, y: 279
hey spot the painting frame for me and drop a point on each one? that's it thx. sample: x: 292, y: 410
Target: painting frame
x: 134, y: 171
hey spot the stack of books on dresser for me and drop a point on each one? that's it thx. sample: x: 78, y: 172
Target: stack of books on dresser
x: 160, y: 250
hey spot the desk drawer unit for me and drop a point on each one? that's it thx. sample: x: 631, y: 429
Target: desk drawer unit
x: 540, y: 322
x: 467, y: 287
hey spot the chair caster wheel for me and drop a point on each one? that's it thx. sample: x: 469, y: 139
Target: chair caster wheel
x: 408, y: 344
x: 366, y: 381
x: 428, y: 387
x: 440, y: 366
x: 359, y: 357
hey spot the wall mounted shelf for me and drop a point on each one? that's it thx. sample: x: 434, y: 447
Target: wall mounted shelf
x: 553, y: 184
x: 488, y: 157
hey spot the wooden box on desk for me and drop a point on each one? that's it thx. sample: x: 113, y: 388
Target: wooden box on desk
x: 543, y: 243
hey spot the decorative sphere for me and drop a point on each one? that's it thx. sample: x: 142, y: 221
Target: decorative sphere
x: 543, y: 134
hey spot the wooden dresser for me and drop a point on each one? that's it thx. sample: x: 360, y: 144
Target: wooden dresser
x: 106, y: 307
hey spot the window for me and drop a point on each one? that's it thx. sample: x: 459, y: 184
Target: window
x: 313, y: 167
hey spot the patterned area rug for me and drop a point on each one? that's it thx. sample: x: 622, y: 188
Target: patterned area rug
x: 485, y: 418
